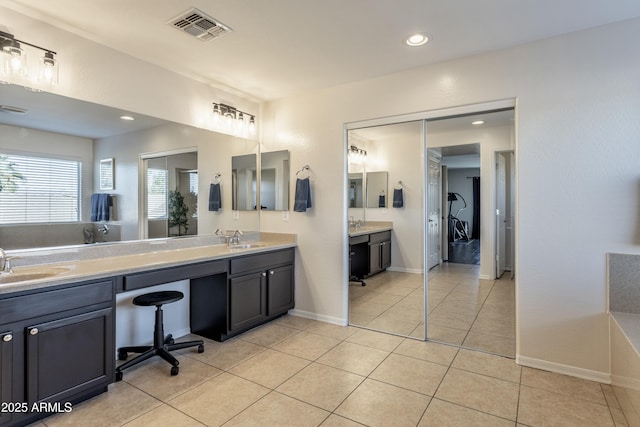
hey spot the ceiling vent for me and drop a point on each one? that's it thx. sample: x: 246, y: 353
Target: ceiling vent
x: 199, y: 25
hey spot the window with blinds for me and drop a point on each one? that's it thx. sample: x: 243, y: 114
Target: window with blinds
x: 39, y: 189
x: 157, y: 185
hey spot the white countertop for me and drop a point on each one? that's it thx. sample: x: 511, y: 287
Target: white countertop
x: 76, y: 270
x: 370, y: 227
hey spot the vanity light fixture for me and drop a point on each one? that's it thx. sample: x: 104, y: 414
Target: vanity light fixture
x: 417, y: 39
x: 356, y: 155
x: 233, y: 119
x: 477, y: 122
x: 14, y: 60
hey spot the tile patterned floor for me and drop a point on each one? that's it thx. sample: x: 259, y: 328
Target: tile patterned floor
x: 462, y: 309
x: 299, y: 372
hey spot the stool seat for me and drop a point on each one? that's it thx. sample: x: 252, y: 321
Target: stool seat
x: 162, y: 345
x: 158, y: 298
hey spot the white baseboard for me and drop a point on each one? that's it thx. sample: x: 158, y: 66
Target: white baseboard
x: 320, y: 317
x: 485, y: 277
x: 625, y: 382
x: 586, y: 374
x: 405, y: 270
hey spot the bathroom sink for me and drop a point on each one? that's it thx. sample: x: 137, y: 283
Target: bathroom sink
x: 30, y: 274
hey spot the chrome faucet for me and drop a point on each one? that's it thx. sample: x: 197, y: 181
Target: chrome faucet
x: 235, y: 239
x: 5, y: 263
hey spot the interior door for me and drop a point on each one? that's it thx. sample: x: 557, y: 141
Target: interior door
x: 501, y: 218
x: 433, y: 211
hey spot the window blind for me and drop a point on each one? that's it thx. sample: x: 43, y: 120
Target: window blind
x: 48, y: 190
x: 157, y: 184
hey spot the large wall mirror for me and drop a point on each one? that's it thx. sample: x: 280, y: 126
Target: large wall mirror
x: 393, y: 299
x: 57, y: 127
x: 274, y: 180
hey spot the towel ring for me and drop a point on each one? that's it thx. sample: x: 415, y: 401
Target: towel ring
x: 399, y: 185
x: 304, y: 169
x: 216, y: 178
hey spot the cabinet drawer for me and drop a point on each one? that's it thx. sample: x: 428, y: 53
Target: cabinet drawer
x: 173, y: 274
x: 261, y: 262
x: 28, y: 306
x: 380, y: 237
x: 355, y: 240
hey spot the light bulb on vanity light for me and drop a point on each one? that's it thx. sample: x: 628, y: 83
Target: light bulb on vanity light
x: 48, y: 69
x: 15, y: 58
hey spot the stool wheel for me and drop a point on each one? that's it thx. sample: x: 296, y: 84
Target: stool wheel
x: 119, y: 376
x: 174, y: 370
x: 200, y: 348
x: 122, y: 355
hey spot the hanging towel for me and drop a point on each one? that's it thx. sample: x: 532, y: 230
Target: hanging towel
x: 382, y: 203
x: 398, y: 198
x: 215, y: 201
x: 100, y: 204
x: 303, y: 195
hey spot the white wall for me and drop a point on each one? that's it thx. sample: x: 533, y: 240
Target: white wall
x: 577, y: 149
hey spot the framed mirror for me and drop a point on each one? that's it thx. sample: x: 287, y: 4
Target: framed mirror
x: 377, y: 193
x: 274, y: 180
x: 244, y: 178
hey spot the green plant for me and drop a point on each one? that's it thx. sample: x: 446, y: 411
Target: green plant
x: 8, y: 175
x: 178, y: 212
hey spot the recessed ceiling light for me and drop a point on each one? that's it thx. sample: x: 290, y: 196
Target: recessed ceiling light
x: 478, y: 122
x: 417, y: 39
x: 127, y: 118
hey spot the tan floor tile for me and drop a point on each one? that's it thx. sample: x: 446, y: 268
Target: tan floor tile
x: 405, y: 314
x: 295, y: 322
x: 441, y: 413
x: 338, y: 421
x: 276, y: 409
x: 164, y: 415
x: 321, y: 385
x: 357, y: 319
x: 486, y: 394
x: 425, y: 350
x: 377, y: 404
x: 306, y: 345
x: 563, y: 384
x: 451, y: 320
x: 269, y: 368
x: 375, y: 339
x: 331, y: 331
x: 368, y: 307
x: 418, y: 332
x: 154, y: 376
x: 410, y: 373
x: 219, y: 399
x: 488, y: 364
x: 353, y: 358
x: 392, y: 325
x: 542, y: 408
x: 499, y: 327
x: 268, y: 335
x: 228, y: 354
x: 129, y: 401
x: 445, y: 334
x: 491, y: 343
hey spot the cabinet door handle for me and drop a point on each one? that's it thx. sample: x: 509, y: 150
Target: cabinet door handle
x: 264, y: 274
x: 271, y: 272
x: 33, y: 331
x: 7, y: 338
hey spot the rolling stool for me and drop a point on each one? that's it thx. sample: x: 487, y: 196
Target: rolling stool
x: 161, y: 345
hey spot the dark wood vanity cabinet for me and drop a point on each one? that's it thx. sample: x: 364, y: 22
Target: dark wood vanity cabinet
x: 261, y: 287
x: 56, y: 348
x: 379, y: 251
